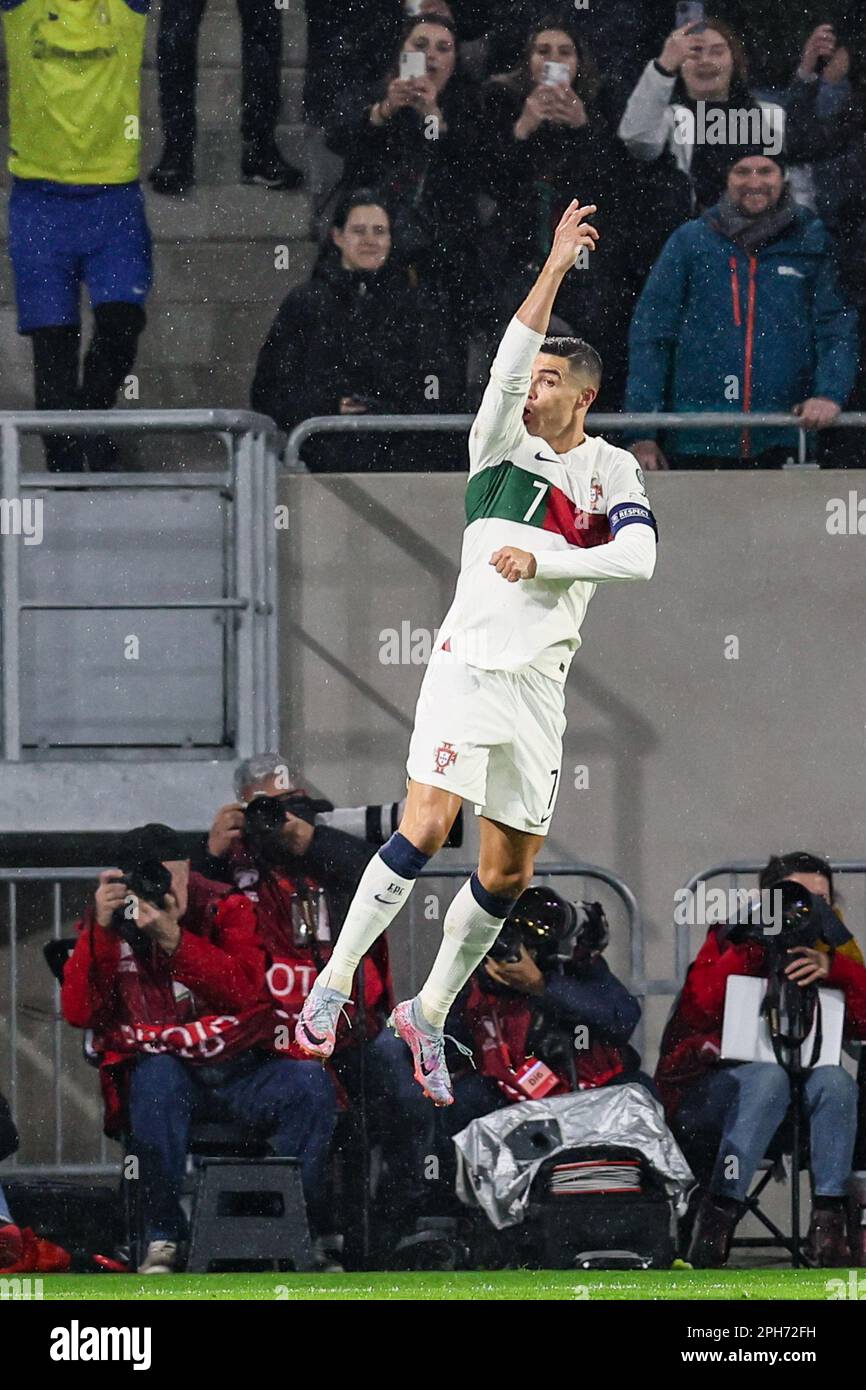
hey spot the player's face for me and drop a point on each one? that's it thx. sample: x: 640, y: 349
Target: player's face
x: 552, y: 46
x: 755, y: 185
x: 709, y: 72
x: 365, y: 241
x: 437, y: 45
x: 555, y: 397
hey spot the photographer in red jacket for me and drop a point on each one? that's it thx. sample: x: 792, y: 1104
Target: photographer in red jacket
x: 302, y: 874
x: 168, y: 972
x: 732, y: 1110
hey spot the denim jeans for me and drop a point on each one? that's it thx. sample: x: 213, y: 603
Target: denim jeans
x: 734, y: 1113
x: 291, y: 1103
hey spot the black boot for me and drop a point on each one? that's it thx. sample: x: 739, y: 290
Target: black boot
x: 262, y: 163
x: 174, y: 173
x: 713, y: 1231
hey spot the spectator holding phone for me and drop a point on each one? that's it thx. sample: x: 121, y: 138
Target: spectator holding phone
x: 359, y: 337
x: 700, y: 79
x: 552, y: 122
x: 416, y: 135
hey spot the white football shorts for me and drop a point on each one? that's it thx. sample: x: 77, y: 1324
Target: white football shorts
x: 492, y: 737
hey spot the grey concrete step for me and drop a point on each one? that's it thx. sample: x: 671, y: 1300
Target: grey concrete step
x: 219, y: 97
x: 196, y: 386
x: 220, y: 38
x: 228, y: 272
x: 240, y: 212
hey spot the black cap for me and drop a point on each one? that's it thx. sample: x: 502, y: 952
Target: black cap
x: 146, y: 843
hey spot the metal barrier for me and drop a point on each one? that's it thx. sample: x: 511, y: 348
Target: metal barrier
x: 733, y: 871
x: 56, y: 1110
x: 249, y: 588
x: 428, y: 424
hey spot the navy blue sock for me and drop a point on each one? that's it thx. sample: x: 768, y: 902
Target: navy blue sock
x: 402, y: 856
x: 494, y: 903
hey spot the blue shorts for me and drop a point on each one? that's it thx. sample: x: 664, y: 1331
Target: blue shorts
x: 61, y: 237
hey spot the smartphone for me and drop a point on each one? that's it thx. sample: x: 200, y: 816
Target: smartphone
x: 554, y: 73
x: 412, y: 64
x: 690, y: 13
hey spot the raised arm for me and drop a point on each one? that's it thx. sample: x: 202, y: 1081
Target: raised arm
x: 498, y: 426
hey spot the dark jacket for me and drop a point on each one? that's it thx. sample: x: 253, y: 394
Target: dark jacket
x: 534, y: 180
x: 504, y: 1027
x: 772, y: 324
x: 430, y: 184
x: 352, y: 333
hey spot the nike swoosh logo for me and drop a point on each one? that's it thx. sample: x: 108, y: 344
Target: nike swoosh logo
x: 426, y: 1071
x: 389, y: 901
x: 312, y: 1037
x: 545, y: 459
x: 544, y: 818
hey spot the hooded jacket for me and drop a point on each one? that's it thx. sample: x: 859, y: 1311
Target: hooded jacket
x: 722, y: 328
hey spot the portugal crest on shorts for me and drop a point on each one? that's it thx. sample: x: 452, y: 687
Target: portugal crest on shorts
x: 445, y: 755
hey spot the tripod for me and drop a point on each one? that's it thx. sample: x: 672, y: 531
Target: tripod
x: 791, y: 1011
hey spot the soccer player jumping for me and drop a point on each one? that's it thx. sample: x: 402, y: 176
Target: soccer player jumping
x: 550, y: 513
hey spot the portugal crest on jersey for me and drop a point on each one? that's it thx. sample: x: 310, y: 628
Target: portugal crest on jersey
x: 445, y: 755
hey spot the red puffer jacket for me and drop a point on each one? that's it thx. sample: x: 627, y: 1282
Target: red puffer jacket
x: 204, y: 1003
x: 692, y: 1041
x: 285, y: 904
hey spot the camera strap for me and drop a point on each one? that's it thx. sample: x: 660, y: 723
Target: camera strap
x: 786, y: 1036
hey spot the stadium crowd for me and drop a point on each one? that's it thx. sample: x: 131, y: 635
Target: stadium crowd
x: 725, y: 158
x: 189, y: 969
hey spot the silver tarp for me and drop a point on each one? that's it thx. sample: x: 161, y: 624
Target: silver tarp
x: 499, y: 1155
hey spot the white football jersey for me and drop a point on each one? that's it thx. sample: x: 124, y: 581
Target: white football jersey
x: 522, y: 494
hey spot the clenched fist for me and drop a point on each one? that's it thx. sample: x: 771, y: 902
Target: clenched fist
x: 513, y: 564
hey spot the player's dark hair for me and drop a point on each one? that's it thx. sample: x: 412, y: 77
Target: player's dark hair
x: 583, y: 360
x: 781, y: 866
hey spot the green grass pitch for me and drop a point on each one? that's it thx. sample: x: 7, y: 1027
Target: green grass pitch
x: 728, y: 1284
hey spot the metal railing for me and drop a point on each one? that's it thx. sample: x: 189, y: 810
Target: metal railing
x: 249, y: 592
x: 734, y: 871
x: 383, y: 424
x: 52, y: 1105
